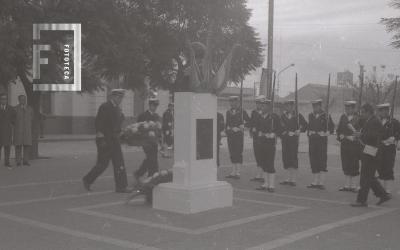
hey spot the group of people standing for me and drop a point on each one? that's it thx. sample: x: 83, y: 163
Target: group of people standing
x: 15, y: 129
x: 365, y: 136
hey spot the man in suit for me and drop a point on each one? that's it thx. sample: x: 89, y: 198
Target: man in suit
x: 254, y: 119
x: 387, y: 149
x: 150, y: 146
x: 7, y: 122
x: 370, y: 136
x: 269, y: 127
x: 293, y: 125
x: 234, y: 127
x: 350, y: 147
x: 320, y: 125
x: 108, y: 129
x: 23, y: 131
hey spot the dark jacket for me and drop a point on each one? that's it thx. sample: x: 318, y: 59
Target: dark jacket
x: 293, y: 123
x: 372, y: 132
x: 254, y: 119
x: 319, y: 124
x: 345, y: 124
x: 7, y: 123
x: 234, y: 119
x: 391, y: 128
x: 167, y: 121
x: 270, y: 123
x: 147, y: 116
x: 109, y: 120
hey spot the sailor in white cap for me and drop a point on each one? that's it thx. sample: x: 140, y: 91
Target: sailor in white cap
x: 150, y: 146
x: 319, y: 128
x: 254, y: 119
x: 350, y: 147
x: 108, y: 128
x: 387, y: 150
x: 269, y: 128
x: 292, y: 127
x: 234, y: 127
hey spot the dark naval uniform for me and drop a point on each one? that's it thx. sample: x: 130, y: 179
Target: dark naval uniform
x: 7, y: 122
x: 220, y: 128
x: 108, y: 122
x: 254, y: 120
x: 318, y: 143
x: 150, y: 147
x: 168, y: 127
x: 290, y: 141
x: 387, y: 150
x: 267, y: 125
x: 350, y: 148
x: 235, y: 138
x: 371, y: 135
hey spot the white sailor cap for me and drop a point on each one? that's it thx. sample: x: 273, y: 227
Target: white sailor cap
x: 383, y: 105
x: 350, y: 103
x: 266, y: 101
x: 154, y: 100
x: 318, y: 101
x: 260, y: 98
x: 118, y: 92
x: 234, y: 98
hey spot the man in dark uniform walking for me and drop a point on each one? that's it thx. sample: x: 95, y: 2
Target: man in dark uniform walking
x: 269, y: 128
x: 7, y: 123
x: 350, y: 147
x: 320, y: 125
x: 168, y: 129
x: 292, y: 127
x: 387, y: 149
x: 150, y: 146
x: 254, y: 120
x: 108, y: 129
x: 370, y: 137
x: 234, y: 127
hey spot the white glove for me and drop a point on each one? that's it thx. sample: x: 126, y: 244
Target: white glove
x: 297, y: 132
x: 322, y: 133
x: 291, y: 133
x: 341, y: 137
x: 152, y: 134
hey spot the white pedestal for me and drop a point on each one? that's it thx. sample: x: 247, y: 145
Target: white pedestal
x: 195, y: 187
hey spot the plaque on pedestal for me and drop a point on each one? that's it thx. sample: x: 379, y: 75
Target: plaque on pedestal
x: 195, y: 187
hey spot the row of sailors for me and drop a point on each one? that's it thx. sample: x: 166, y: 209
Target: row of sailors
x: 265, y: 126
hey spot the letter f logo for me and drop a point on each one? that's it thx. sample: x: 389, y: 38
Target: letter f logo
x: 37, y: 61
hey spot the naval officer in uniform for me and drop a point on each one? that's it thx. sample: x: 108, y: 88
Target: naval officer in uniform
x: 108, y: 129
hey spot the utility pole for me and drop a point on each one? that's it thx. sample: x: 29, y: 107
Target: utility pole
x: 361, y: 76
x: 270, y: 68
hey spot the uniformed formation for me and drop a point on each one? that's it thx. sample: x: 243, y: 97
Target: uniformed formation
x: 365, y: 136
x: 358, y: 134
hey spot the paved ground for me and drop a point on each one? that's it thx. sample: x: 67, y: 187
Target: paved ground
x: 45, y: 207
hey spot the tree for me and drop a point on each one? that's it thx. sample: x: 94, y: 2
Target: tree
x: 112, y: 47
x: 393, y: 25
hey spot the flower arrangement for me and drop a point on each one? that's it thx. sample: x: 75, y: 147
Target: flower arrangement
x: 137, y: 134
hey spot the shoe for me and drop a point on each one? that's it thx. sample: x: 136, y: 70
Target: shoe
x: 321, y: 187
x: 345, y: 189
x: 236, y: 177
x: 86, y: 185
x: 26, y: 163
x: 285, y: 183
x: 231, y: 176
x: 312, y: 186
x: 262, y: 188
x: 384, y: 199
x: 255, y: 179
x: 292, y: 184
x: 271, y: 190
x: 124, y: 191
x: 359, y: 204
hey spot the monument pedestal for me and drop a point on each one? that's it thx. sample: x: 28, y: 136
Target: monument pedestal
x: 195, y: 187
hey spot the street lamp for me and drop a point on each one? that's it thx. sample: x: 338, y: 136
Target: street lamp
x: 280, y: 72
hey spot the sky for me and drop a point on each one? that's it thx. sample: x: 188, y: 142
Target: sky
x: 325, y: 36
